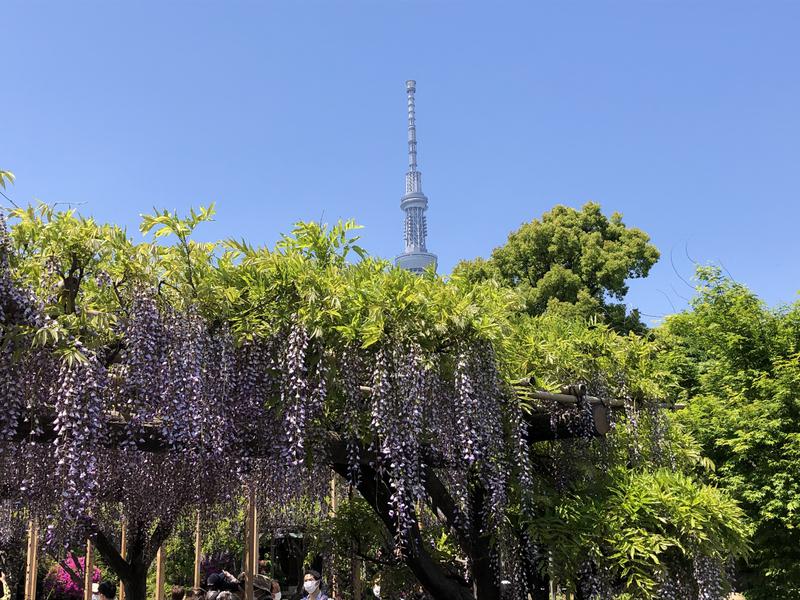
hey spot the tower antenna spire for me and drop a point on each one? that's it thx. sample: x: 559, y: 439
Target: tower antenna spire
x: 414, y: 203
x: 411, y: 87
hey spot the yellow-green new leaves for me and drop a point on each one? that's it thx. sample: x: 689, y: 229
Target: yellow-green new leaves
x: 6, y: 176
x: 170, y: 223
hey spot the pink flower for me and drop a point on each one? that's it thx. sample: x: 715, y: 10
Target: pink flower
x: 60, y: 583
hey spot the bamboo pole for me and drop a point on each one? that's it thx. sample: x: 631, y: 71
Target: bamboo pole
x: 88, y: 571
x: 198, y: 547
x: 32, y: 560
x: 159, y: 593
x: 123, y: 552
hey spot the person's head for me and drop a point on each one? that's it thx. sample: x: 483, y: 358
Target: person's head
x: 263, y: 567
x: 178, y: 592
x: 311, y: 581
x: 213, y: 582
x: 107, y: 590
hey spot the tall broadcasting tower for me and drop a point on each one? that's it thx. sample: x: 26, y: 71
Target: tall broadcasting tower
x: 414, y: 203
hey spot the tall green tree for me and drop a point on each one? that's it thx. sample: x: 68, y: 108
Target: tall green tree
x: 738, y: 367
x: 573, y: 261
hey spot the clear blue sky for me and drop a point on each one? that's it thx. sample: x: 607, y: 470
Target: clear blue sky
x: 682, y: 115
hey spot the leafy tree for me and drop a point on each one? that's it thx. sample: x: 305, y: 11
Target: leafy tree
x: 737, y: 364
x: 572, y: 261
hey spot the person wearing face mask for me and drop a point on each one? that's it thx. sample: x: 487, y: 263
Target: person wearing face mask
x: 276, y: 590
x: 312, y: 582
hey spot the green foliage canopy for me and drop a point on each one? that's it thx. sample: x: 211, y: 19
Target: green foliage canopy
x: 737, y: 364
x: 576, y: 261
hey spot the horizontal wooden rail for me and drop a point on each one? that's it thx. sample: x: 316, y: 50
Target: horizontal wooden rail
x: 149, y: 438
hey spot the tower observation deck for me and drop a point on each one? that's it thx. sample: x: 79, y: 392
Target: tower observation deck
x: 414, y: 203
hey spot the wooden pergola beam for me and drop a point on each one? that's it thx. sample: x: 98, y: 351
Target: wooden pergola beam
x: 41, y: 428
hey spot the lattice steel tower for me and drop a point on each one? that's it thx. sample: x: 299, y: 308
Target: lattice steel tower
x: 414, y: 203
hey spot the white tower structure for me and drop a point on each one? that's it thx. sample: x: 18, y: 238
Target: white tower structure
x: 414, y: 203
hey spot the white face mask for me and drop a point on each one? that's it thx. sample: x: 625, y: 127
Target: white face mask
x: 310, y: 586
x: 376, y: 590
x: 276, y: 596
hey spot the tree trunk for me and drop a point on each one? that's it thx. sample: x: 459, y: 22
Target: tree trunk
x: 487, y: 585
x: 136, y: 584
x: 436, y: 581
x: 132, y: 569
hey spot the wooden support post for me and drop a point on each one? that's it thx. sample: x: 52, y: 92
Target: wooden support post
x: 32, y: 560
x: 35, y: 572
x: 355, y: 564
x: 255, y: 540
x: 334, y: 577
x: 247, y: 549
x: 249, y: 557
x: 159, y: 593
x: 88, y: 571
x: 358, y: 584
x: 123, y: 552
x: 198, y: 548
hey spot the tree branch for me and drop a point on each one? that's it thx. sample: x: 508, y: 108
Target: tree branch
x: 76, y: 579
x: 374, y: 489
x: 160, y: 534
x: 442, y: 501
x: 111, y: 555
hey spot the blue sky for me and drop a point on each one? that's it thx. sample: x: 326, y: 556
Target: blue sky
x: 682, y: 115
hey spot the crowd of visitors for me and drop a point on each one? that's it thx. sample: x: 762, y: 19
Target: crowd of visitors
x: 225, y: 586
x: 222, y: 586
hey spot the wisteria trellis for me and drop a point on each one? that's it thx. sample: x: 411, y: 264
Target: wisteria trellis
x: 234, y: 411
